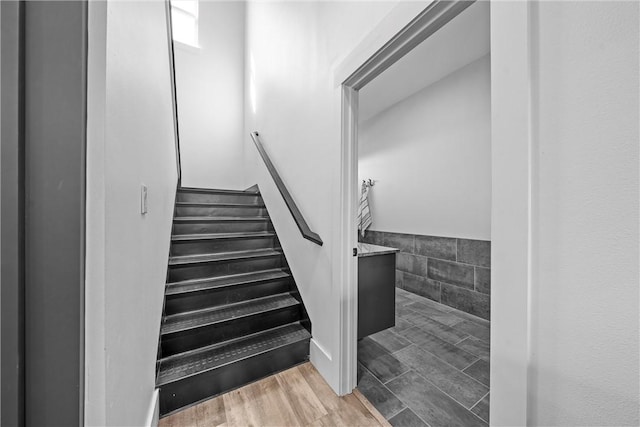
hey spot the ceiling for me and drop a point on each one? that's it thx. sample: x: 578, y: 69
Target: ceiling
x: 460, y: 42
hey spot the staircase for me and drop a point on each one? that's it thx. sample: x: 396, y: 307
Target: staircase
x: 232, y: 312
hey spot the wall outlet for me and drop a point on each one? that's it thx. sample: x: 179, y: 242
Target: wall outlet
x: 143, y: 199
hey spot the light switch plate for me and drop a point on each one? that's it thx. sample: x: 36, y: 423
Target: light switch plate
x: 143, y: 199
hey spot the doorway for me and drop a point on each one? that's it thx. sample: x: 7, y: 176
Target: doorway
x: 421, y: 28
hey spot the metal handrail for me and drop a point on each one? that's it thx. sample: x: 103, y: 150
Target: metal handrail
x: 291, y: 204
x: 174, y: 94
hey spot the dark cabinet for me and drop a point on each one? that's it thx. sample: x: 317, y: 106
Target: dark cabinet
x: 376, y: 293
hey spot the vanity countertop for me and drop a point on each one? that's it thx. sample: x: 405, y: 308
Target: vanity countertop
x: 367, y: 249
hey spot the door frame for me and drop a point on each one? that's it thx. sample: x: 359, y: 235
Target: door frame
x: 512, y: 195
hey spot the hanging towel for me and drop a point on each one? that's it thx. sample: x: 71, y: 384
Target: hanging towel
x: 364, y: 214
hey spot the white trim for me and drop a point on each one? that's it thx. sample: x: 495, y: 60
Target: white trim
x: 511, y: 210
x: 396, y: 19
x: 319, y: 356
x: 347, y: 263
x: 153, y: 414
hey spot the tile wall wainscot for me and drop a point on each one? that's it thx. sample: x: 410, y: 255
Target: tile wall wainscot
x: 451, y: 271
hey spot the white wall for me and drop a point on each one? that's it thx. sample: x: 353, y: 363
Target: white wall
x: 567, y: 331
x: 292, y: 50
x: 585, y: 302
x: 430, y: 155
x: 210, y: 87
x: 130, y: 141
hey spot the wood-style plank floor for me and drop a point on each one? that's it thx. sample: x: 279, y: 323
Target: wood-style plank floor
x: 296, y: 397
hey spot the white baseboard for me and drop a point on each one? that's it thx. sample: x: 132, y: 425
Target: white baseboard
x: 153, y: 416
x: 323, y: 362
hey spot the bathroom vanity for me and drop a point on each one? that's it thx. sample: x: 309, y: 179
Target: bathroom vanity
x: 376, y: 288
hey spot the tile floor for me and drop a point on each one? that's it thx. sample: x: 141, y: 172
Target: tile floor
x: 431, y: 369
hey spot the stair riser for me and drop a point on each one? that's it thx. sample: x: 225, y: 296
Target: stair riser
x: 216, y: 297
x: 223, y: 268
x: 221, y: 227
x: 219, y: 211
x: 189, y: 340
x: 193, y: 389
x: 249, y: 199
x: 220, y: 245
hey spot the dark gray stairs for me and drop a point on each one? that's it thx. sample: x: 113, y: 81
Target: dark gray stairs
x: 232, y: 311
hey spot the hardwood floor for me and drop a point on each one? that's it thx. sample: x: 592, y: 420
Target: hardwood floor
x: 296, y: 397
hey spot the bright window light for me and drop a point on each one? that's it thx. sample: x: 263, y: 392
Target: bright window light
x: 184, y: 14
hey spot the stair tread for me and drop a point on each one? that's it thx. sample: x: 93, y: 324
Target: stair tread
x: 200, y: 284
x: 221, y: 205
x: 217, y: 191
x: 222, y: 236
x: 222, y: 256
x: 187, y: 364
x: 204, y: 317
x: 220, y: 218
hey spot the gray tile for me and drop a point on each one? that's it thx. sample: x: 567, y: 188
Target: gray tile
x: 402, y: 300
x: 421, y: 286
x: 479, y: 331
x: 430, y: 404
x: 379, y: 361
x: 440, y: 330
x: 466, y: 300
x: 451, y: 272
x: 446, y: 315
x: 479, y: 371
x: 373, y: 237
x: 476, y: 252
x: 475, y: 346
x: 448, y: 319
x: 414, y: 264
x: 369, y: 349
x: 399, y: 278
x: 391, y: 341
x: 448, y: 379
x: 429, y: 302
x: 418, y: 298
x: 446, y: 351
x: 381, y: 398
x: 407, y: 418
x: 403, y: 293
x: 404, y: 242
x: 404, y: 311
x: 401, y: 325
x: 415, y: 334
x: 482, y: 408
x: 423, y: 312
x: 467, y: 316
x: 436, y: 247
x: 483, y: 280
x: 426, y: 309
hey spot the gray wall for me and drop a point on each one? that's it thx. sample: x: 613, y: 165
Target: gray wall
x: 43, y: 176
x: 55, y: 139
x: 454, y: 272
